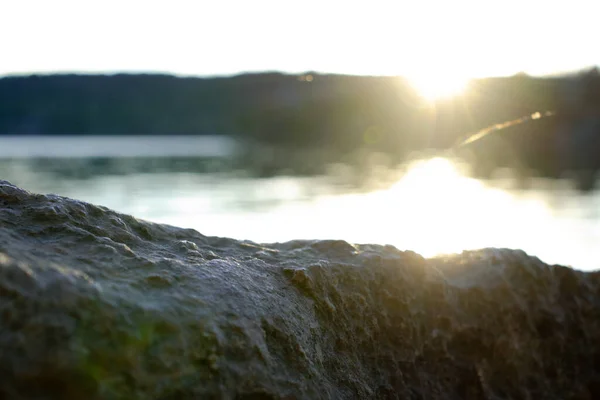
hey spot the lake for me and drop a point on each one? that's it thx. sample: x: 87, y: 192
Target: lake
x: 430, y: 205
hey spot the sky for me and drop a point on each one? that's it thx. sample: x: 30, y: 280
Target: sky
x: 458, y: 38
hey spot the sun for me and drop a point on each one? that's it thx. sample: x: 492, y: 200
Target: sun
x: 434, y: 87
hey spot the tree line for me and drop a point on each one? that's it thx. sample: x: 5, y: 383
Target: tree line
x: 333, y: 111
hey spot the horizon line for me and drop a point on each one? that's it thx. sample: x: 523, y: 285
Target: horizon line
x: 270, y: 71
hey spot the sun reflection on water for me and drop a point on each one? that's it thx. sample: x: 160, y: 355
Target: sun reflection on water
x: 437, y: 209
x: 433, y: 208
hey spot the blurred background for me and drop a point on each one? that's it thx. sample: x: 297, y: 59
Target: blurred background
x: 271, y: 121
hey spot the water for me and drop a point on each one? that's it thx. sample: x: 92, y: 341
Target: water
x: 110, y: 146
x: 430, y: 206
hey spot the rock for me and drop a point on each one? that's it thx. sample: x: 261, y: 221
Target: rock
x: 99, y: 305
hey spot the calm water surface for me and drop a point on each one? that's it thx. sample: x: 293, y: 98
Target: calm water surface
x: 430, y: 206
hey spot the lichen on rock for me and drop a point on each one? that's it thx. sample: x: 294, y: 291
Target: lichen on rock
x: 99, y: 305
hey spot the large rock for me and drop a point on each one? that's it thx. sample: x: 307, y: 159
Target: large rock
x: 99, y: 305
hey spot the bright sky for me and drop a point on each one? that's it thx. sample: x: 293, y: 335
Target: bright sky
x: 460, y: 37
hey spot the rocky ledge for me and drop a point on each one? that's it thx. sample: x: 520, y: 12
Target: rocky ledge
x: 99, y: 305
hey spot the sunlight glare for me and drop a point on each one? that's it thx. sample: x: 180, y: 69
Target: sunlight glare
x: 438, y: 86
x: 438, y: 209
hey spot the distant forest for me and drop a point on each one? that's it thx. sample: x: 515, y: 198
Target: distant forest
x: 341, y: 112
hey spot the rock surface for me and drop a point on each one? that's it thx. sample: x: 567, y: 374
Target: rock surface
x: 99, y: 305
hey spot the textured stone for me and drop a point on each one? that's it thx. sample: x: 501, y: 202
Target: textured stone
x: 99, y: 305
